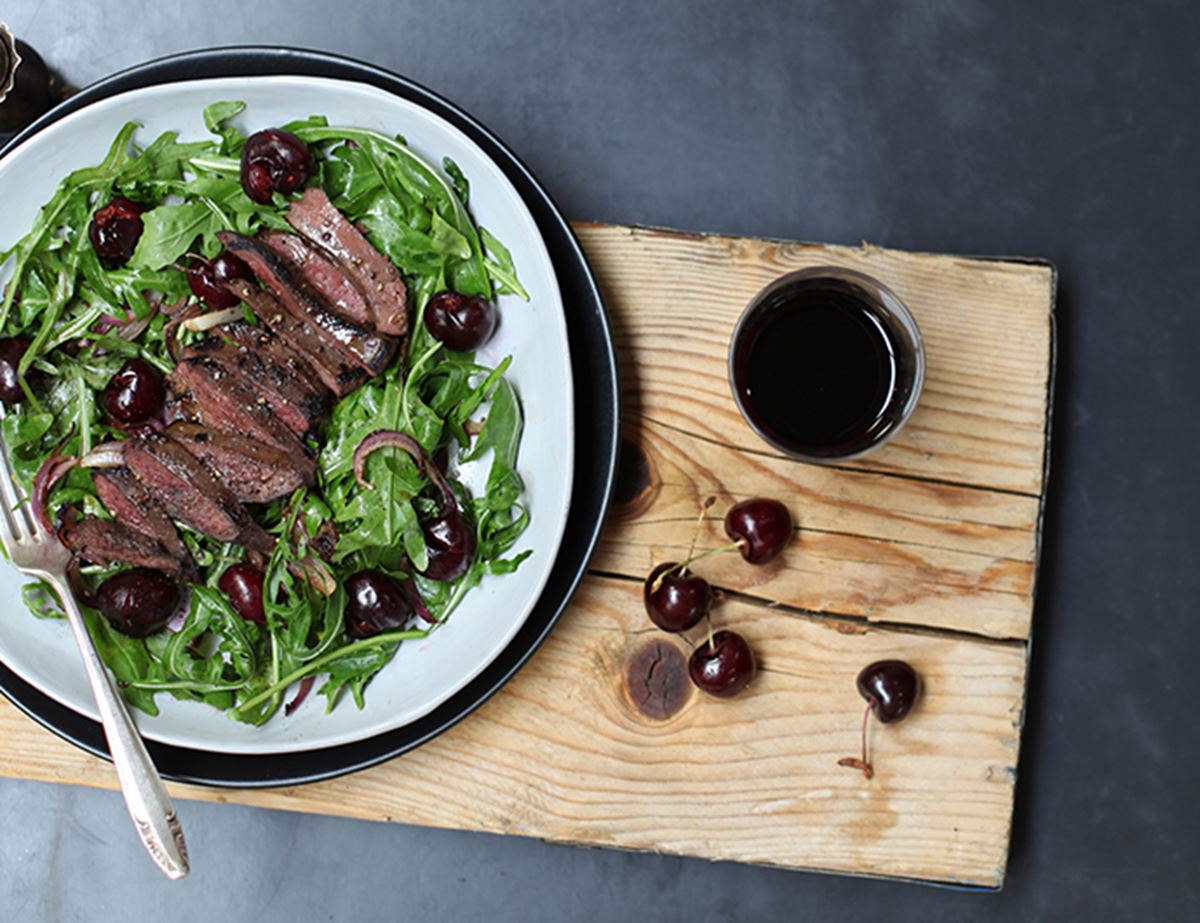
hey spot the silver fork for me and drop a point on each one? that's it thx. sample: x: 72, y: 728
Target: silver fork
x: 41, y: 555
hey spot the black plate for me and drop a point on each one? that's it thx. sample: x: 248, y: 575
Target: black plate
x: 593, y: 364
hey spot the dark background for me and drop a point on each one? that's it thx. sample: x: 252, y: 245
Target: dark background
x: 1066, y: 131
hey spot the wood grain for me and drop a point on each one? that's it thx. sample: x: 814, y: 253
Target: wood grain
x: 871, y: 546
x: 981, y: 419
x: 925, y: 551
x: 563, y: 753
x: 937, y: 529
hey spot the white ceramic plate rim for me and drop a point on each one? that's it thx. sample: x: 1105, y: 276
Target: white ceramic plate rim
x: 536, y: 269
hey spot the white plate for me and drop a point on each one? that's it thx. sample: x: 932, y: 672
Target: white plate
x: 424, y: 673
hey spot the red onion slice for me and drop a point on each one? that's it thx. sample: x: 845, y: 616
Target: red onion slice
x: 105, y: 455
x: 172, y: 326
x: 306, y: 685
x: 414, y: 599
x: 51, y: 472
x: 179, y: 617
x: 133, y: 329
x: 202, y: 322
x: 78, y: 586
x: 105, y: 323
x: 391, y: 437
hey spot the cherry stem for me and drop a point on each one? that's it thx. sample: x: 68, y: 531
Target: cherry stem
x: 692, y: 560
x: 704, y: 508
x: 712, y: 645
x: 867, y: 770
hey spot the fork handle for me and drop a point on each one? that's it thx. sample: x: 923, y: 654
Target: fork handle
x: 146, y: 797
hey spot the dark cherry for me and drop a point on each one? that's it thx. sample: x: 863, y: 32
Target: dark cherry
x: 763, y: 526
x: 243, y: 584
x: 462, y: 322
x: 679, y: 600
x: 115, y: 231
x: 12, y: 350
x: 890, y: 688
x: 450, y: 541
x: 138, y: 602
x: 135, y: 393
x: 374, y: 603
x: 207, y: 279
x: 723, y: 667
x: 274, y: 161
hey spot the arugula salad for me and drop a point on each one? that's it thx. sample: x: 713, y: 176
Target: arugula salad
x: 381, y: 460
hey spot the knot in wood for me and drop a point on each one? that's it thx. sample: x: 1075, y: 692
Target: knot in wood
x: 656, y: 679
x: 637, y: 483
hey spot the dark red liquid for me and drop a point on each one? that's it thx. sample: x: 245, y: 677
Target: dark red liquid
x: 820, y: 368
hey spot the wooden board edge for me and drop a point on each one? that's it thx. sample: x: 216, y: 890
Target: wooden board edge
x: 1035, y: 262
x: 1051, y: 379
x: 275, y: 799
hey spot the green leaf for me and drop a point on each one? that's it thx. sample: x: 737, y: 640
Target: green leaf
x: 461, y: 185
x: 162, y: 162
x: 41, y: 600
x: 500, y: 267
x: 216, y: 116
x: 128, y: 658
x: 170, y: 231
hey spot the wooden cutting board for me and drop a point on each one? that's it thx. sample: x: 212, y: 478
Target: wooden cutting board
x: 926, y: 551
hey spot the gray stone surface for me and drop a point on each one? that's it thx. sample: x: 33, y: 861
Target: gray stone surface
x: 1063, y: 130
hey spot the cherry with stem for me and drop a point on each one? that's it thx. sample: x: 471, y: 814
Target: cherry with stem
x: 676, y: 599
x: 760, y: 528
x: 891, y: 688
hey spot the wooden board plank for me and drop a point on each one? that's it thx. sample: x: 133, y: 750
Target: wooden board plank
x: 562, y: 753
x: 926, y: 551
x: 876, y: 547
x: 982, y: 417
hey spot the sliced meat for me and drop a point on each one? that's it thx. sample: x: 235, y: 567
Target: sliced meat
x: 314, y: 216
x: 189, y: 492
x: 180, y: 403
x: 103, y: 542
x: 324, y: 275
x: 253, y: 470
x: 337, y: 373
x: 226, y: 401
x: 131, y: 504
x: 359, y: 344
x: 294, y: 396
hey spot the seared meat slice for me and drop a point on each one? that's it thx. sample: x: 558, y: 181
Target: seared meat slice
x: 323, y: 274
x: 359, y: 344
x: 314, y: 216
x: 190, y: 493
x: 180, y: 403
x: 294, y: 396
x: 254, y: 471
x: 337, y: 373
x: 131, y: 504
x: 224, y: 400
x: 103, y: 542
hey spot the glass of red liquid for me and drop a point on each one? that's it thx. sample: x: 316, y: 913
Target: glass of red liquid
x: 826, y: 364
